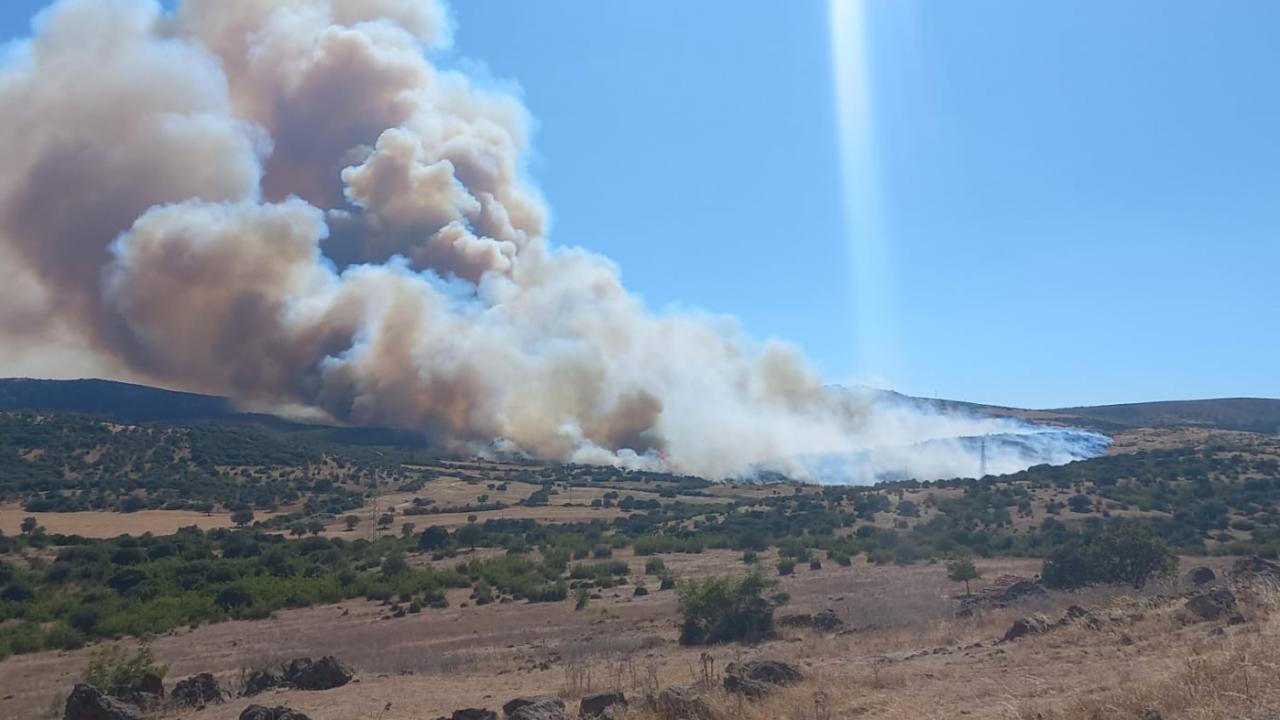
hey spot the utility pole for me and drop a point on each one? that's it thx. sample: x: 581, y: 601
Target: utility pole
x: 982, y: 459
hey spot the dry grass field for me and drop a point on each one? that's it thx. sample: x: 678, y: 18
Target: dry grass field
x: 903, y: 655
x: 95, y: 524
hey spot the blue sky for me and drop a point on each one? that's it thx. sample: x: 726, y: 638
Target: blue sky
x: 1078, y: 201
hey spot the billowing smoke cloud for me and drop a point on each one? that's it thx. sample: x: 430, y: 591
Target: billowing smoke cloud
x: 286, y: 202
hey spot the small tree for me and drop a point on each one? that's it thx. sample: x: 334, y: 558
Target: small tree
x: 242, y: 516
x: 315, y: 527
x: 962, y: 569
x: 719, y: 610
x: 351, y: 521
x: 406, y: 529
x: 112, y: 666
x: 29, y: 525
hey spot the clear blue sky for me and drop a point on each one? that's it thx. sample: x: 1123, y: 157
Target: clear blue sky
x: 1079, y: 200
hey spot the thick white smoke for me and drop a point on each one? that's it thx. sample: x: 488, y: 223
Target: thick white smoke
x: 284, y: 201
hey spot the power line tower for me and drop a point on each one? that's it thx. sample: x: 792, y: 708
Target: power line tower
x: 982, y: 459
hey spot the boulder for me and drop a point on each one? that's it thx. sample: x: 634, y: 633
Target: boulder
x: 1077, y: 614
x: 302, y: 674
x: 1197, y: 576
x: 258, y: 712
x: 640, y: 591
x: 89, y: 703
x: 538, y: 707
x: 1029, y: 625
x: 599, y: 705
x: 676, y: 703
x: 1211, y: 603
x: 827, y: 621
x: 197, y: 691
x: 759, y: 678
x: 473, y: 714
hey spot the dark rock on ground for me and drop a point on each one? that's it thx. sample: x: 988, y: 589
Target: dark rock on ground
x: 473, y: 714
x: 676, y: 703
x: 1211, y: 604
x: 1029, y: 625
x: 1198, y: 576
x: 147, y: 692
x: 640, y: 591
x: 89, y: 703
x: 1075, y: 613
x: 258, y: 712
x: 827, y: 621
x: 759, y: 678
x: 302, y: 673
x: 538, y: 707
x: 197, y: 691
x: 593, y: 706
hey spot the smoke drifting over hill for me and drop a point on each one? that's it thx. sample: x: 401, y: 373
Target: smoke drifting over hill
x: 286, y: 202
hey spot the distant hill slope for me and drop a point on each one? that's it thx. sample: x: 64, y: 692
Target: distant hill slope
x: 1261, y: 415
x: 1247, y: 414
x: 141, y: 403
x: 127, y: 402
x: 121, y: 401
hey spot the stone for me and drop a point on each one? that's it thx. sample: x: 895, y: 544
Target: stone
x: 759, y: 678
x: 683, y: 704
x: 537, y: 707
x: 1029, y: 625
x: 258, y: 712
x: 89, y: 703
x: 1211, y: 603
x: 302, y: 674
x: 473, y: 714
x: 197, y: 691
x: 596, y: 705
x: 1198, y: 576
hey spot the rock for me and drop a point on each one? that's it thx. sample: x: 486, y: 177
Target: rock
x: 1075, y: 613
x: 640, y: 591
x: 1029, y: 625
x: 1211, y: 603
x: 87, y: 702
x: 1198, y: 576
x: 147, y: 692
x: 324, y: 674
x: 1254, y: 566
x: 759, y: 678
x: 594, y: 706
x: 796, y: 620
x: 538, y: 707
x: 676, y: 703
x: 473, y: 714
x: 827, y: 621
x: 302, y: 673
x: 1152, y: 713
x: 258, y: 712
x: 197, y: 691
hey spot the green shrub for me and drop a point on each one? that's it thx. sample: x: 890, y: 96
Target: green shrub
x: 719, y: 610
x: 786, y: 566
x: 113, y: 666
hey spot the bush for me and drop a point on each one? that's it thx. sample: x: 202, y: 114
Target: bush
x: 786, y: 566
x: 719, y: 610
x: 1123, y: 553
x: 112, y: 666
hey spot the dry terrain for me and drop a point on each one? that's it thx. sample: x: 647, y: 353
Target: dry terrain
x: 904, y: 654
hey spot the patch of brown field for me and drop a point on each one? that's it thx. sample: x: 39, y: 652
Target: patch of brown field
x: 104, y: 524
x: 545, y: 513
x: 907, y: 657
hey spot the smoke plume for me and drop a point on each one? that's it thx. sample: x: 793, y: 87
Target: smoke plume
x: 286, y: 202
